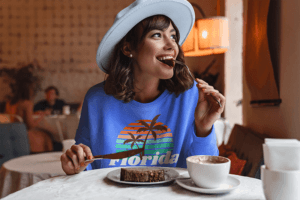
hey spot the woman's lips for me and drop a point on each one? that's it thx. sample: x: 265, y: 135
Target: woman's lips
x: 167, y: 60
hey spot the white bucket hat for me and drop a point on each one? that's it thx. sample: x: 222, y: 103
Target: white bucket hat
x: 180, y: 12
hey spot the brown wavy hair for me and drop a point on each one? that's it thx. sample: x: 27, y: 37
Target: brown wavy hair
x: 120, y: 80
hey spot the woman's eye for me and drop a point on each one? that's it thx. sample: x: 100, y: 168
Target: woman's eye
x: 174, y: 37
x: 156, y: 35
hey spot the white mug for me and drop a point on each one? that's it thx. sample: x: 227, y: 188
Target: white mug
x: 66, y: 110
x: 280, y: 185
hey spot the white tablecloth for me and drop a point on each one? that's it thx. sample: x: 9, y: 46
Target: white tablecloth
x: 94, y: 185
x: 24, y: 171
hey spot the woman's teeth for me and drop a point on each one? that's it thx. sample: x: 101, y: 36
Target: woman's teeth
x: 165, y: 58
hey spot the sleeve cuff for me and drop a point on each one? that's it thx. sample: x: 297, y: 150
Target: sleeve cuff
x: 204, y: 145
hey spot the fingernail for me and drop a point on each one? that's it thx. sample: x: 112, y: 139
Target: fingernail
x: 77, y: 168
x: 90, y: 157
x: 81, y: 164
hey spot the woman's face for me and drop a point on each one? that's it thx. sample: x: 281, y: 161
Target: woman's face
x: 155, y: 45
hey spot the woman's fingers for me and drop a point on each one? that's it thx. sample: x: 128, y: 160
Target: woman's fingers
x: 201, y: 81
x: 67, y: 164
x: 88, y: 154
x: 74, y: 158
x: 87, y: 151
x: 204, y: 85
x: 204, y: 89
x: 209, y: 90
x: 222, y: 101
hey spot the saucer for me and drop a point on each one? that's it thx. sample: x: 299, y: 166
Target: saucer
x: 230, y: 184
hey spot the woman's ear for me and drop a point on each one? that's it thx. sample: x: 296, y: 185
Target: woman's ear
x: 126, y: 50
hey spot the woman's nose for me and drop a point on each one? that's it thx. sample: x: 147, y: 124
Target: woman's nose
x: 170, y: 43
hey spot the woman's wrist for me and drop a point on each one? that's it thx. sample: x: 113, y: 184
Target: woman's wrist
x: 202, y: 131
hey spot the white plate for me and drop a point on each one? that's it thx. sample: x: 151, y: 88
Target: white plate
x: 230, y: 184
x: 170, y: 175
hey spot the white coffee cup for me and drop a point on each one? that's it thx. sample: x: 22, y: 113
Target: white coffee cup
x: 67, y: 144
x: 66, y: 110
x: 283, y: 184
x: 208, y: 171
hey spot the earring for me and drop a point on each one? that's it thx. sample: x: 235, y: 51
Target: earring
x: 130, y: 55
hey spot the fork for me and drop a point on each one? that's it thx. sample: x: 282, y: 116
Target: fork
x: 181, y: 63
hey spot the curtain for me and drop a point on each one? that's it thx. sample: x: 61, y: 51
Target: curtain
x: 259, y: 71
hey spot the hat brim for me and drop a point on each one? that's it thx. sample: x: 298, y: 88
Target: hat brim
x: 180, y: 12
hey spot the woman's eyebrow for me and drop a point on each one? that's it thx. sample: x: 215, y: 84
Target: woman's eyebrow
x: 173, y: 30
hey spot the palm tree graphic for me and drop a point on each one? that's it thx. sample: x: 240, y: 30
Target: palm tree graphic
x: 133, y: 139
x: 150, y: 129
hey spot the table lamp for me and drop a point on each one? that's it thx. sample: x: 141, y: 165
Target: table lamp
x: 208, y: 36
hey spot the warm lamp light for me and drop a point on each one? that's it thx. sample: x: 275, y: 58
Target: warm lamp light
x: 208, y: 36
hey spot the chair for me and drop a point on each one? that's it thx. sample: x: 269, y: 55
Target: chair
x: 14, y: 141
x: 247, y: 145
x: 8, y: 118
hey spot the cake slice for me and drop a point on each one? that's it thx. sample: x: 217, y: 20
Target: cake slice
x: 147, y: 174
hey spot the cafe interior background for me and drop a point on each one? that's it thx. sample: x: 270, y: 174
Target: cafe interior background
x: 62, y: 37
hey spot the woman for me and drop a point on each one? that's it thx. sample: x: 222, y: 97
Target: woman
x: 145, y: 103
x: 22, y: 104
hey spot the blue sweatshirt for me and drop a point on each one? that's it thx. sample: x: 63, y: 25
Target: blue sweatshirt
x: 165, y: 126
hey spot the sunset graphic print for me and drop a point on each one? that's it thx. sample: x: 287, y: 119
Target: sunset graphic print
x: 154, y: 137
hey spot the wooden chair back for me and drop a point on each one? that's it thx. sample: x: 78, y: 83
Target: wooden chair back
x: 247, y: 144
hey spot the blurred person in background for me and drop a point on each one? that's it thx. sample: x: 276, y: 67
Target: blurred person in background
x: 21, y: 103
x: 51, y: 105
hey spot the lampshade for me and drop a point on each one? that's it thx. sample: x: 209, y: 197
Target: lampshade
x: 208, y: 36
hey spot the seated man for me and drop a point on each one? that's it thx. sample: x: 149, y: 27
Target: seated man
x: 51, y: 105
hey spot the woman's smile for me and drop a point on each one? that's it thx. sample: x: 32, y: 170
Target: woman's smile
x: 167, y: 60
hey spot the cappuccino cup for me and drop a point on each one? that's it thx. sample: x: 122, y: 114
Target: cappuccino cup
x: 208, y: 171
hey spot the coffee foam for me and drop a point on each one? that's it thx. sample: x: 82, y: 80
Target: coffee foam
x: 207, y: 159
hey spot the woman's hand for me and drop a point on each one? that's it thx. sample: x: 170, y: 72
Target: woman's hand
x: 207, y: 110
x: 72, y: 161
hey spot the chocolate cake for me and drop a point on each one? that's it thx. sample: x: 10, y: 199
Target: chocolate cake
x: 147, y: 174
x: 169, y: 62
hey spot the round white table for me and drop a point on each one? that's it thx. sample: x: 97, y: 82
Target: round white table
x: 19, y: 173
x: 95, y: 185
